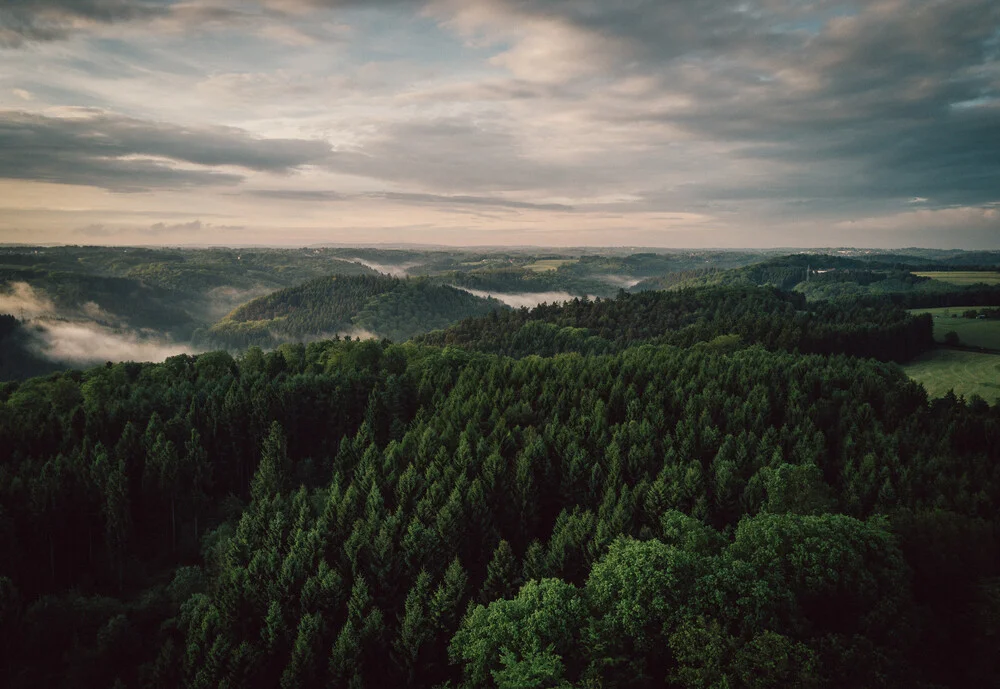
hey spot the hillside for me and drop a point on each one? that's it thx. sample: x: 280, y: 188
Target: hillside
x: 746, y: 315
x: 376, y: 305
x: 903, y: 278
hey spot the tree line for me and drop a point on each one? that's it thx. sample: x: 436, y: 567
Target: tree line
x: 761, y: 315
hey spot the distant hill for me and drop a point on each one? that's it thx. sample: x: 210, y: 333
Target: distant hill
x: 715, y: 317
x: 361, y: 305
x: 826, y: 277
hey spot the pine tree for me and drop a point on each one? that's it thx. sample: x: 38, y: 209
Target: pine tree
x: 415, y: 628
x: 272, y: 473
x: 502, y: 577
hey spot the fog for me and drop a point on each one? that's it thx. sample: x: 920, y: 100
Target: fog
x: 519, y: 299
x: 625, y: 281
x: 360, y: 334
x: 222, y: 300
x: 24, y: 301
x: 353, y: 333
x: 84, y: 344
x: 399, y: 271
x: 68, y: 338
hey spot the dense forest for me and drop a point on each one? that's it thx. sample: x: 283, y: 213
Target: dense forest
x: 378, y: 305
x: 360, y: 514
x: 729, y: 485
x: 768, y: 316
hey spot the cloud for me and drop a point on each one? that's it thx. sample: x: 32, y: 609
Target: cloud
x: 447, y: 153
x: 120, y: 153
x: 806, y: 102
x: 438, y: 199
x: 196, y: 226
x: 284, y: 21
x: 416, y: 198
x: 764, y: 116
x: 296, y: 194
x: 46, y: 20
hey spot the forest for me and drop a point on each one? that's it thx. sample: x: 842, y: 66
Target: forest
x: 83, y: 306
x: 764, y: 315
x: 713, y: 485
x: 378, y: 305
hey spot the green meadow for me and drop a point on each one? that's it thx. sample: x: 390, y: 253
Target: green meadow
x: 963, y: 277
x: 967, y: 373
x: 546, y: 264
x: 971, y: 332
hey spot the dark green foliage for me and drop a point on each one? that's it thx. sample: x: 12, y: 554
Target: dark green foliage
x: 17, y: 360
x: 384, y: 306
x: 777, y: 320
x: 356, y: 513
x: 763, y: 612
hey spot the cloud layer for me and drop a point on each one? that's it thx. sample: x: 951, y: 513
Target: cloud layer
x: 126, y: 154
x: 706, y: 123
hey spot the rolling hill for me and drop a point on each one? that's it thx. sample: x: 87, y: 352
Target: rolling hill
x: 365, y: 305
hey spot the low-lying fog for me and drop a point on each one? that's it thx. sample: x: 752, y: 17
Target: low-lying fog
x: 77, y: 338
x: 222, y: 300
x: 625, y: 281
x: 84, y: 344
x: 399, y: 271
x: 519, y: 299
x: 24, y: 301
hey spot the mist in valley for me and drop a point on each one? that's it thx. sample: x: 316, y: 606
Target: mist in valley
x: 396, y: 270
x: 81, y: 337
x: 24, y: 301
x: 219, y: 301
x: 522, y: 299
x: 625, y: 281
x: 86, y: 343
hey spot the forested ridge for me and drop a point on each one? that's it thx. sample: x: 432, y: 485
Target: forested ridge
x: 663, y: 489
x: 823, y: 277
x: 764, y: 315
x: 386, y: 306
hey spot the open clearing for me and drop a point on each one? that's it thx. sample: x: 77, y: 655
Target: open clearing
x: 971, y: 331
x: 547, y: 264
x: 967, y: 373
x: 963, y: 277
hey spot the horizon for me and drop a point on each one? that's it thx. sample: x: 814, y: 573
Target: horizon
x: 416, y: 246
x: 501, y: 123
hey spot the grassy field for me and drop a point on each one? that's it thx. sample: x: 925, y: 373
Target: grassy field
x: 971, y: 332
x: 963, y: 277
x: 547, y: 264
x: 967, y: 373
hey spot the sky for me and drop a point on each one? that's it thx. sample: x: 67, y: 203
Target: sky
x: 657, y: 123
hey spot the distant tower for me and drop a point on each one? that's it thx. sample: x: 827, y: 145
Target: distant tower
x: 807, y: 272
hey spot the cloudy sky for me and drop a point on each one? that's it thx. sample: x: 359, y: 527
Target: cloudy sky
x: 486, y: 122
